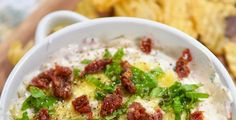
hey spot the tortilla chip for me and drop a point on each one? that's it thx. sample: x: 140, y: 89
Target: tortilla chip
x: 87, y: 8
x: 202, y: 19
x: 105, y: 5
x: 209, y: 18
x: 147, y: 9
x: 176, y: 14
x: 16, y: 51
x: 224, y: 1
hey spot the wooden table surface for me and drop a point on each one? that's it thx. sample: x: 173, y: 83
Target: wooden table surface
x: 26, y: 31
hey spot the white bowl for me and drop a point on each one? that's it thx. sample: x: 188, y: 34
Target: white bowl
x: 167, y: 37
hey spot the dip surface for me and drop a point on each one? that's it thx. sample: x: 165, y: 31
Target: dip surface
x: 121, y: 79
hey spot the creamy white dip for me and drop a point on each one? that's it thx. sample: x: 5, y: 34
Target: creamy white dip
x: 216, y: 107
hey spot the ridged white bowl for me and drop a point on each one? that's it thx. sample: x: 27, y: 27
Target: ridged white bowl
x: 167, y: 38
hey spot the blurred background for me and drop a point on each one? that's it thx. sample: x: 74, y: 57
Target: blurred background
x: 212, y: 22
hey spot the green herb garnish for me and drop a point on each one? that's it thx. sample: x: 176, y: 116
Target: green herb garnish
x: 143, y: 81
x: 24, y: 117
x: 107, y: 54
x: 99, y: 94
x: 114, y: 70
x: 179, y: 98
x: 118, y: 55
x: 38, y: 99
x: 157, y: 92
x: 76, y: 72
x: 95, y: 81
x: 36, y: 92
x: 103, y: 89
x: 86, y: 61
x: 115, y: 115
x: 157, y: 72
x: 196, y: 95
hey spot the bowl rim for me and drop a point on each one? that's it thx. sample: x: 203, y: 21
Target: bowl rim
x: 217, y: 64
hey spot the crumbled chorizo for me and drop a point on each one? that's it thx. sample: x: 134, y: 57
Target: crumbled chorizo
x: 62, y: 71
x: 125, y: 65
x: 146, y: 45
x: 137, y: 112
x: 197, y: 115
x: 158, y: 115
x: 111, y: 103
x: 43, y: 115
x: 59, y: 78
x: 61, y: 82
x: 126, y: 77
x: 182, y: 68
x: 90, y: 116
x: 96, y: 66
x: 43, y: 79
x: 81, y: 104
x: 186, y: 55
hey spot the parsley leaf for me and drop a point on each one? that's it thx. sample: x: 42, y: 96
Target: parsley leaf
x: 107, y: 54
x: 157, y: 72
x: 103, y: 89
x: 76, y: 72
x: 179, y: 98
x: 86, y: 61
x: 95, y: 81
x: 118, y: 55
x: 143, y: 81
x: 36, y: 92
x: 191, y: 87
x: 177, y: 107
x: 196, y: 95
x: 157, y: 92
x: 116, y: 114
x: 26, y: 104
x: 114, y: 70
x: 38, y: 99
x: 24, y: 117
x: 99, y: 95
